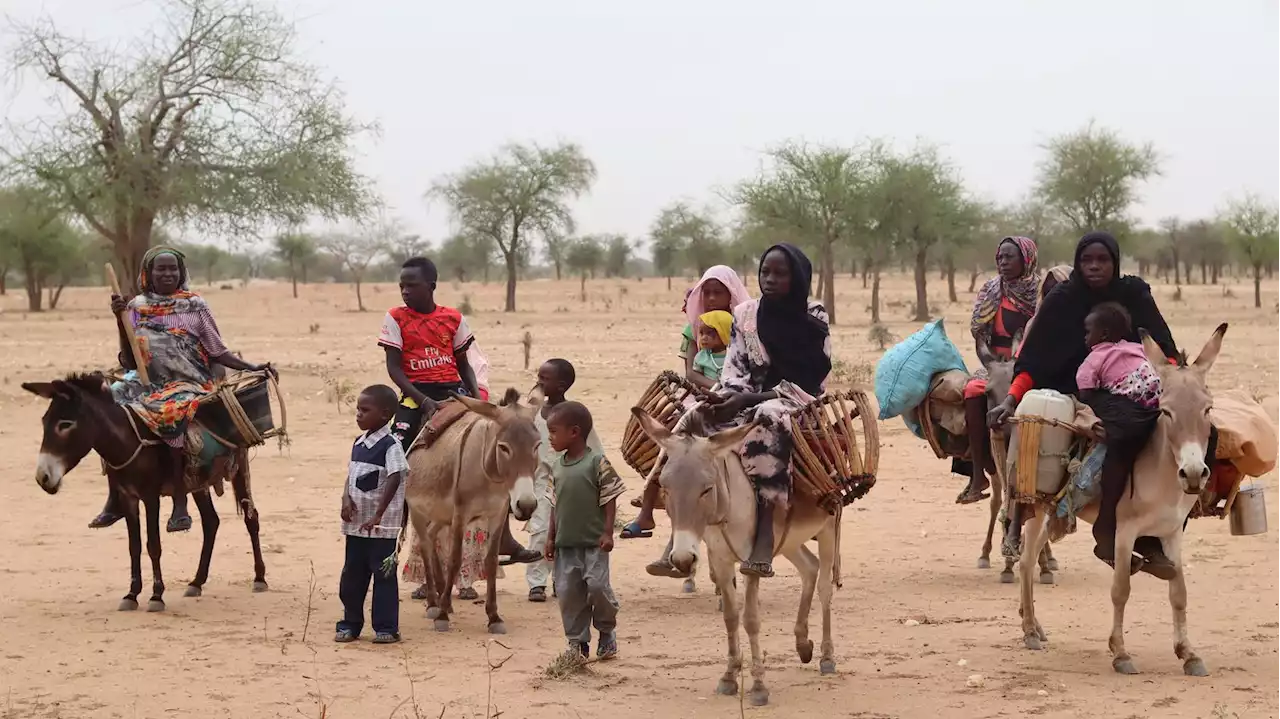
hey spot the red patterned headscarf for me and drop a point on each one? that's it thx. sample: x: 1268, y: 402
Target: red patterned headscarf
x: 1020, y: 292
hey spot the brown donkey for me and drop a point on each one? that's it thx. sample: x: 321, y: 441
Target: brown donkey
x: 1168, y: 477
x: 710, y: 499
x: 999, y: 379
x: 478, y: 469
x: 83, y: 416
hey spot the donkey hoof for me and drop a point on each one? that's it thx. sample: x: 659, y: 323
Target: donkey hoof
x: 1194, y: 667
x: 433, y: 612
x: 727, y: 687
x: 984, y: 563
x: 442, y: 625
x: 1006, y: 577
x: 805, y: 650
x: 1031, y: 641
x: 688, y: 587
x: 1124, y: 665
x: 1046, y: 577
x: 260, y: 585
x: 1052, y: 565
x: 192, y: 591
x: 497, y: 628
x: 759, y: 697
x: 128, y: 604
x: 827, y: 667
x: 155, y: 605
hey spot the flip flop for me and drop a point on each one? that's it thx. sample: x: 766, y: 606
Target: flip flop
x: 968, y: 497
x: 633, y: 531
x: 178, y: 524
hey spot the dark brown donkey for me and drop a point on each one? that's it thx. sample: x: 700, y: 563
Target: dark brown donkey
x: 82, y: 416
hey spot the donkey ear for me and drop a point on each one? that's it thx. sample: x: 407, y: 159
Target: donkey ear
x: 1155, y: 355
x: 985, y: 356
x: 651, y: 427
x: 510, y: 398
x: 730, y: 439
x: 480, y: 407
x: 43, y: 389
x: 1211, y: 349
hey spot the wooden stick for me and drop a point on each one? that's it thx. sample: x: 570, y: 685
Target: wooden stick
x: 128, y: 331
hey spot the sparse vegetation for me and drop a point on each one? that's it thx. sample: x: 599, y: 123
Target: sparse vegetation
x: 881, y: 337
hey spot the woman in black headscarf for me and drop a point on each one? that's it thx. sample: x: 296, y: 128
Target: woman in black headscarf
x: 778, y: 360
x: 1055, y: 348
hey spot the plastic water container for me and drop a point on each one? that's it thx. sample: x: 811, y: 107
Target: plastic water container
x: 1055, y: 442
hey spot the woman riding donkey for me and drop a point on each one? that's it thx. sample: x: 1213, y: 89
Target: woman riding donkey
x: 1051, y: 356
x: 720, y: 289
x: 1004, y: 306
x: 181, y: 344
x: 778, y: 361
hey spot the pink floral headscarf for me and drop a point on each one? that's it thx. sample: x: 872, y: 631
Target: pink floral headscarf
x: 724, y: 275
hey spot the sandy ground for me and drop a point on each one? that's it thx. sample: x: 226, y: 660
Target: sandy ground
x: 908, y: 551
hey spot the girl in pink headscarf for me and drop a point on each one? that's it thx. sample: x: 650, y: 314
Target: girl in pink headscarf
x: 719, y: 289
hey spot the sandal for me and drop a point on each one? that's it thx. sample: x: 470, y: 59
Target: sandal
x: 344, y: 636
x: 664, y: 568
x: 607, y: 648
x: 635, y: 531
x: 538, y: 594
x: 468, y: 594
x: 1135, y: 565
x: 420, y: 593
x: 522, y: 556
x: 763, y: 570
x: 386, y: 638
x: 178, y: 524
x: 106, y: 519
x: 971, y: 495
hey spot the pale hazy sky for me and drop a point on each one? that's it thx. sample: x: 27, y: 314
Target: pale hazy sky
x: 672, y: 100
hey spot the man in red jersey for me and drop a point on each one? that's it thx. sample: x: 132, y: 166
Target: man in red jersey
x: 426, y: 346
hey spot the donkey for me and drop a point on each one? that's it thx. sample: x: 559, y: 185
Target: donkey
x: 999, y: 379
x: 83, y: 416
x: 708, y: 489
x: 1168, y: 476
x: 477, y: 469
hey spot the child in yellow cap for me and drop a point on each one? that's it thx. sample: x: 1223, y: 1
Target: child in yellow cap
x: 713, y: 338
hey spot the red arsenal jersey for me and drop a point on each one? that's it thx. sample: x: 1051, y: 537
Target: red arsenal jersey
x: 428, y: 342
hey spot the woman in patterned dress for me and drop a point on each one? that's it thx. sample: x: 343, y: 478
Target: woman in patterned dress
x: 778, y: 360
x: 179, y: 338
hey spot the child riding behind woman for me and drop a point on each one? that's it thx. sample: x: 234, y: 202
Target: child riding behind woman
x: 713, y: 340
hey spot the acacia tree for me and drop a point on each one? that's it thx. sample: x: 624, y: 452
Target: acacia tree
x: 465, y: 256
x: 695, y: 237
x: 555, y: 247
x: 522, y: 192
x: 584, y: 256
x: 920, y: 203
x: 355, y: 251
x: 617, y: 254
x: 667, y: 249
x: 211, y: 119
x: 297, y: 250
x: 1090, y: 176
x: 818, y: 193
x: 1252, y: 226
x: 48, y: 251
x: 1178, y: 244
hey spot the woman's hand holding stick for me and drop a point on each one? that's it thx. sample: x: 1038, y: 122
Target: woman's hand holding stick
x: 118, y: 307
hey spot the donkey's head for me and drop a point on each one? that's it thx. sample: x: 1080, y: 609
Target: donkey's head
x: 694, y: 478
x: 71, y: 427
x: 999, y: 371
x: 515, y: 448
x: 1185, y: 403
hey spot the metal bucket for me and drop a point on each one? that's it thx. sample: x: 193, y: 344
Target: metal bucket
x: 1249, y: 512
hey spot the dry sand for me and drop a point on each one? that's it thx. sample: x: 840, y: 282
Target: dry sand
x: 908, y: 551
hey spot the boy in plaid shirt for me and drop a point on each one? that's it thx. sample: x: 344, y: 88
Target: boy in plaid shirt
x: 372, y: 514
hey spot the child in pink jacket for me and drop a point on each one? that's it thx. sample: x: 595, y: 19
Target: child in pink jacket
x: 1114, y: 364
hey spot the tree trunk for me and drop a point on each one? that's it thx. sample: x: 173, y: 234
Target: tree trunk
x: 875, y: 295
x: 303, y: 268
x: 511, y: 281
x: 359, y: 297
x: 951, y: 281
x: 293, y: 275
x: 55, y: 294
x: 582, y: 287
x: 829, y: 279
x: 1142, y: 268
x: 1186, y: 271
x: 35, y: 292
x: 973, y: 279
x: 922, y: 289
x: 1177, y: 270
x: 1216, y: 272
x: 1257, y: 285
x: 853, y: 269
x: 668, y: 283
x: 4, y: 280
x: 1204, y: 273
x: 866, y: 270
x: 558, y: 270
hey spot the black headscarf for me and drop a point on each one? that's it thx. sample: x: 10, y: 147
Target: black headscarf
x: 793, y: 338
x: 1055, y: 348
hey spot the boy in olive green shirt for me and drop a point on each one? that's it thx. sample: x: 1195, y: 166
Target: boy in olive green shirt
x: 581, y: 535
